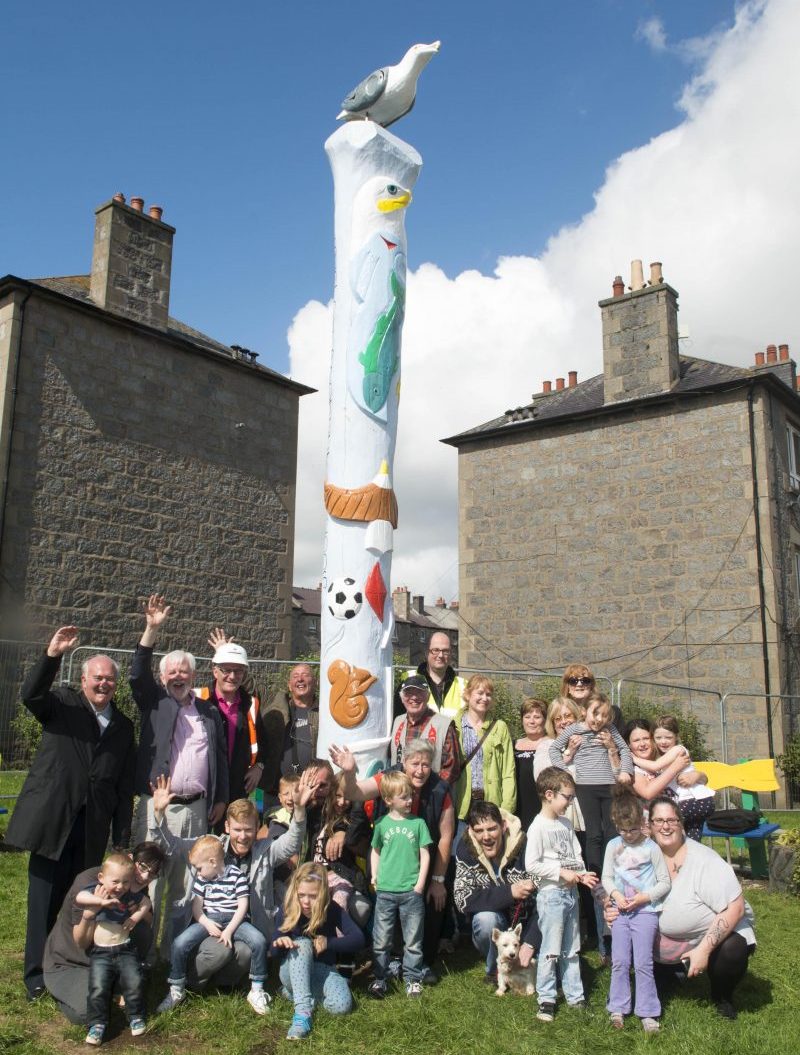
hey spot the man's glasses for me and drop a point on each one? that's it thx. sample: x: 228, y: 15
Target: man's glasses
x: 579, y: 681
x: 438, y: 651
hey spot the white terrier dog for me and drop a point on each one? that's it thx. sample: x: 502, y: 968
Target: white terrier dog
x: 510, y: 972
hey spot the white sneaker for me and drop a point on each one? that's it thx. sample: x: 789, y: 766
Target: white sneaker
x: 174, y: 997
x: 259, y: 1000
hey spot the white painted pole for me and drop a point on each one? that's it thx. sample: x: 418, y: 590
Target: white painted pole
x: 374, y: 173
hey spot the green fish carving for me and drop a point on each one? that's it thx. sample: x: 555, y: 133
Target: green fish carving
x: 380, y: 357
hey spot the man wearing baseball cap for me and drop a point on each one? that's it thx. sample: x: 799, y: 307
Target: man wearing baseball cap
x: 241, y: 716
x: 420, y: 721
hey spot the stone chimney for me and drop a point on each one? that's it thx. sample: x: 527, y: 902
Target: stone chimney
x: 418, y: 603
x: 640, y: 337
x: 777, y: 361
x: 401, y: 602
x: 132, y: 260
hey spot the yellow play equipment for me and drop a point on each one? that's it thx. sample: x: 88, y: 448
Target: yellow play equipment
x: 750, y: 777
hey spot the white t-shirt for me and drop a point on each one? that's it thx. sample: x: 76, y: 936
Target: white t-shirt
x: 551, y: 846
x: 696, y: 791
x: 704, y: 887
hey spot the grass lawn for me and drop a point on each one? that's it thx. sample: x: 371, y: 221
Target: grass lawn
x: 461, y: 1015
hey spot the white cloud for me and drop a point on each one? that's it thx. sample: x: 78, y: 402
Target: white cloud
x: 714, y: 199
x: 653, y: 34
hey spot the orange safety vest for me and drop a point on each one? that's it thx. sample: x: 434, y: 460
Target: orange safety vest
x: 205, y: 694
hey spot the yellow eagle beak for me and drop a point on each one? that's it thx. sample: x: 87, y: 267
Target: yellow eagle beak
x: 390, y: 204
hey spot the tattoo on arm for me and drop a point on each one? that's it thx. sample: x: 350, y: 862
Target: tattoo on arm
x: 717, y: 931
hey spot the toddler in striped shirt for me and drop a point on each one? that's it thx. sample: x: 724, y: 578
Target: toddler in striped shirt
x: 220, y: 905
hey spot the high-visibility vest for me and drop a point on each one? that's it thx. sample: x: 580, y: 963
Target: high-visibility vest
x: 252, y: 711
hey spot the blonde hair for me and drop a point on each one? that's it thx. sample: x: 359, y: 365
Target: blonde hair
x: 558, y: 704
x: 241, y: 811
x: 477, y: 681
x: 205, y: 846
x: 118, y: 858
x: 307, y: 873
x: 394, y: 782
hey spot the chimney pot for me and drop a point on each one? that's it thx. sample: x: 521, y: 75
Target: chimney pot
x: 120, y: 197
x: 573, y: 378
x: 618, y: 287
x: 155, y: 212
x: 547, y: 387
x: 759, y: 358
x: 454, y: 606
x: 137, y: 204
x: 559, y: 384
x: 656, y: 276
x: 772, y: 353
x: 637, y: 275
x: 783, y: 352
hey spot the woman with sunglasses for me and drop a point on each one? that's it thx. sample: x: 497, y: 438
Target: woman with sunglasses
x: 66, y: 965
x: 706, y: 925
x: 578, y: 683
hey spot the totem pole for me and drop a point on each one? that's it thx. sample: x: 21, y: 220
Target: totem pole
x: 374, y: 173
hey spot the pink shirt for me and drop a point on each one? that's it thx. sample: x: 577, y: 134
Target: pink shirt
x: 229, y: 712
x: 188, y: 759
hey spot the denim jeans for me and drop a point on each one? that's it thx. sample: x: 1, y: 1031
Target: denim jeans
x: 483, y: 923
x: 106, y: 965
x: 558, y: 921
x: 308, y: 980
x: 195, y: 934
x: 410, y: 907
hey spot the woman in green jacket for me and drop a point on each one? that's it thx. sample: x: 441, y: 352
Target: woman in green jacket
x: 487, y: 751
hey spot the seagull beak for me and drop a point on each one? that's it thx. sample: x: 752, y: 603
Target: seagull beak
x: 390, y: 204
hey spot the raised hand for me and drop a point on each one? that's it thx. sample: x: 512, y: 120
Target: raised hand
x: 156, y: 610
x: 342, y: 757
x: 65, y: 638
x: 306, y: 787
x: 218, y: 637
x: 162, y: 794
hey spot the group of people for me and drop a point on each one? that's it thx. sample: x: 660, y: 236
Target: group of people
x: 576, y: 826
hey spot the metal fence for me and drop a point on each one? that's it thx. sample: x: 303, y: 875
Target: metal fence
x: 704, y: 705
x: 777, y: 712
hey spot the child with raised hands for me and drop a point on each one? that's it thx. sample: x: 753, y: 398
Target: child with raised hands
x: 115, y: 910
x: 636, y: 879
x: 312, y: 930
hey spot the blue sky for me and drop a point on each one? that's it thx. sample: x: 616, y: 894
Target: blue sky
x: 221, y: 118
x: 560, y: 141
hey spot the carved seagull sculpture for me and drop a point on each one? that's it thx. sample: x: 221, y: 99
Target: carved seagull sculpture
x: 389, y: 93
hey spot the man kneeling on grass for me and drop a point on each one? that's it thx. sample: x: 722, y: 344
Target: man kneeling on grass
x: 492, y: 887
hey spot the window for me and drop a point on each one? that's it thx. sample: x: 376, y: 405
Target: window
x: 312, y: 626
x: 793, y: 437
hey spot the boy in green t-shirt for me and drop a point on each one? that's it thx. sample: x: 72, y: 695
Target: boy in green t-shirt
x: 400, y: 860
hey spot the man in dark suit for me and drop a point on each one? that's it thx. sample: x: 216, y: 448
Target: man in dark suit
x: 79, y: 786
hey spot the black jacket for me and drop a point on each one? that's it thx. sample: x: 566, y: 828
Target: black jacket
x: 75, y: 767
x: 159, y: 715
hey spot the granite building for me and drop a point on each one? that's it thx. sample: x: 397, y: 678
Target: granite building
x: 138, y: 455
x: 645, y: 521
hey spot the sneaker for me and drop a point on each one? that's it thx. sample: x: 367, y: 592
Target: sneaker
x: 726, y: 1009
x: 174, y: 997
x: 616, y: 1020
x: 413, y: 988
x: 377, y: 988
x: 138, y: 1027
x: 95, y: 1036
x: 429, y: 977
x: 579, y: 1005
x: 300, y: 1027
x: 259, y: 1000
x: 395, y: 968
x: 650, y: 1025
x: 546, y: 1012
x: 490, y: 978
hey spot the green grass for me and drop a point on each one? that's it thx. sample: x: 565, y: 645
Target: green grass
x: 458, y: 1017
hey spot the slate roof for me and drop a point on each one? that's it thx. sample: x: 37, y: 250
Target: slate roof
x: 77, y: 287
x: 587, y: 398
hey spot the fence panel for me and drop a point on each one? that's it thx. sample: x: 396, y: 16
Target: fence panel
x: 704, y: 705
x: 753, y: 719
